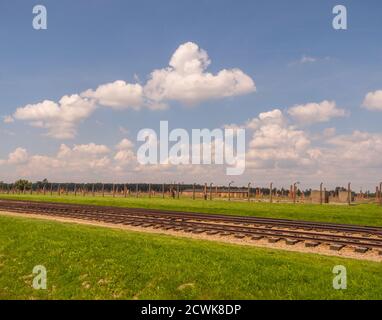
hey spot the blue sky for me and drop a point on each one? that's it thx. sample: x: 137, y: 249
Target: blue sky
x: 89, y: 43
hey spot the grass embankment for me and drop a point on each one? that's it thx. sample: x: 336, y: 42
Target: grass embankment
x: 362, y: 214
x: 85, y: 262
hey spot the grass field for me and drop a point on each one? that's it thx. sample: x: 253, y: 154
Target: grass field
x: 362, y: 214
x: 85, y: 262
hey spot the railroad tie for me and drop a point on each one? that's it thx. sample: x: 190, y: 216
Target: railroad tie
x: 136, y: 224
x: 257, y: 237
x: 274, y: 240
x: 361, y: 249
x: 240, y: 236
x: 291, y: 242
x: 312, y: 244
x: 336, y: 247
x: 147, y: 225
x: 224, y: 234
x: 198, y: 231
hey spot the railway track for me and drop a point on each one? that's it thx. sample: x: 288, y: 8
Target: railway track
x: 313, y: 234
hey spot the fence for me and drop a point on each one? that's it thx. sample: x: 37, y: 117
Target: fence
x: 196, y: 191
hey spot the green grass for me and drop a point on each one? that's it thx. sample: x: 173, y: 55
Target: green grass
x: 362, y: 214
x: 86, y: 262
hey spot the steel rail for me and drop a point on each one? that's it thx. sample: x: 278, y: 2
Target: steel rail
x: 203, y: 217
x: 80, y: 212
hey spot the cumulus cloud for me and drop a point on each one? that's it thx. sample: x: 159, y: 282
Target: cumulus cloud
x: 91, y: 148
x: 117, y: 95
x: 125, y: 144
x: 316, y: 112
x: 275, y: 143
x: 19, y: 156
x: 125, y: 154
x: 359, y: 149
x: 60, y: 119
x: 8, y: 119
x: 373, y: 101
x: 280, y: 152
x: 277, y: 151
x: 186, y: 79
x: 76, y: 161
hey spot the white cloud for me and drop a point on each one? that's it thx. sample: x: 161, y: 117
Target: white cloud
x: 125, y: 144
x: 187, y: 81
x: 74, y: 163
x: 117, y: 95
x: 60, y: 119
x: 316, y: 112
x: 373, y: 101
x: 82, y: 150
x: 19, y: 156
x: 8, y: 119
x: 359, y: 149
x: 91, y: 149
x: 277, y: 151
x: 275, y: 143
x: 307, y: 59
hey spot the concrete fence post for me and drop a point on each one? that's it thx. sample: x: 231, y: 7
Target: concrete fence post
x: 271, y: 193
x: 229, y: 191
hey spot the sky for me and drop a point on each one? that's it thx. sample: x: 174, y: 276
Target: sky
x: 74, y: 96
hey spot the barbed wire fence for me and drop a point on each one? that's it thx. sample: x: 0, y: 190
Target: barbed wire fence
x: 208, y: 192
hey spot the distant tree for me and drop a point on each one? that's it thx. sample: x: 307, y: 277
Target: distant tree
x: 41, y: 184
x: 22, y: 184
